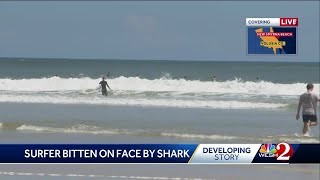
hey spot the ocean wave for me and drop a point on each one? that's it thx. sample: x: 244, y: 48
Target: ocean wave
x: 163, y: 92
x: 156, y: 85
x: 199, y: 136
x: 10, y: 125
x: 179, y: 103
x: 85, y: 129
x: 270, y: 139
x: 299, y: 140
x: 77, y: 129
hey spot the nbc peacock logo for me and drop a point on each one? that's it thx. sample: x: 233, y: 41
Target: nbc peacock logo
x: 268, y: 150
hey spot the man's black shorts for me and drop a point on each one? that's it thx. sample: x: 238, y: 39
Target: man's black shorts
x: 307, y: 118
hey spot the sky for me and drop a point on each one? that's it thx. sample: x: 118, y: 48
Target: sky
x: 162, y: 30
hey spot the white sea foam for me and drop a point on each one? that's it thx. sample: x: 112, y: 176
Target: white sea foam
x: 271, y: 139
x: 79, y: 129
x: 156, y: 85
x: 299, y: 140
x: 199, y: 136
x: 140, y: 102
x: 167, y: 92
x: 84, y: 129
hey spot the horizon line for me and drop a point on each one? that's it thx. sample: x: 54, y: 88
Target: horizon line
x: 181, y: 60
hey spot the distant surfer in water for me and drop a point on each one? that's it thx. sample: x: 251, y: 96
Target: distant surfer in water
x: 308, y: 102
x: 214, y: 78
x: 103, y: 86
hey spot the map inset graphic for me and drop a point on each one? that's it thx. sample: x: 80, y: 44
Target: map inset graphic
x: 272, y: 40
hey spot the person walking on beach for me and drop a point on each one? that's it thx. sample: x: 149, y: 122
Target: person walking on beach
x: 308, y: 102
x: 103, y: 86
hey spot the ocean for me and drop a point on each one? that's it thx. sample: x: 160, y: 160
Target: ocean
x: 57, y: 101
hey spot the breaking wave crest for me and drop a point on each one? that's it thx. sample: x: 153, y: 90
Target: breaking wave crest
x: 156, y: 85
x: 142, y: 102
x: 167, y: 92
x: 94, y: 130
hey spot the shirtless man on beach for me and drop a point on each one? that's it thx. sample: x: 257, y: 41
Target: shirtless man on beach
x: 308, y: 101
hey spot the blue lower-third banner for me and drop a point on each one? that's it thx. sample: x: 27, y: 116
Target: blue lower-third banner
x: 160, y: 153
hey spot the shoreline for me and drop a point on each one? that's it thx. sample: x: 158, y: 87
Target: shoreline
x: 93, y: 123
x: 167, y: 172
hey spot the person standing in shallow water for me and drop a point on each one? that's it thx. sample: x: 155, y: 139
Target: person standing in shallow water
x: 103, y: 86
x: 308, y: 102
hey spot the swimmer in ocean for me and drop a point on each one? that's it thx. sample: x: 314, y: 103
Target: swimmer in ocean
x: 103, y: 86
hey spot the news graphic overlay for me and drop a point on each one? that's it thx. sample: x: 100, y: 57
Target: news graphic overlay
x: 275, y: 153
x: 225, y: 153
x: 160, y: 153
x: 272, y: 35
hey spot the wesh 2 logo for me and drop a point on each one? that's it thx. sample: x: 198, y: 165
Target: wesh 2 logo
x: 281, y: 151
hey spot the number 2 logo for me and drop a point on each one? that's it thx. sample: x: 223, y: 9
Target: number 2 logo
x: 285, y: 151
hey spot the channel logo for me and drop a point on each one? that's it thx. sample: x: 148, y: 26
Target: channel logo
x: 268, y: 150
x: 282, y: 151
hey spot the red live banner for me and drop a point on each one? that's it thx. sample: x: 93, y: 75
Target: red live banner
x: 289, y: 22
